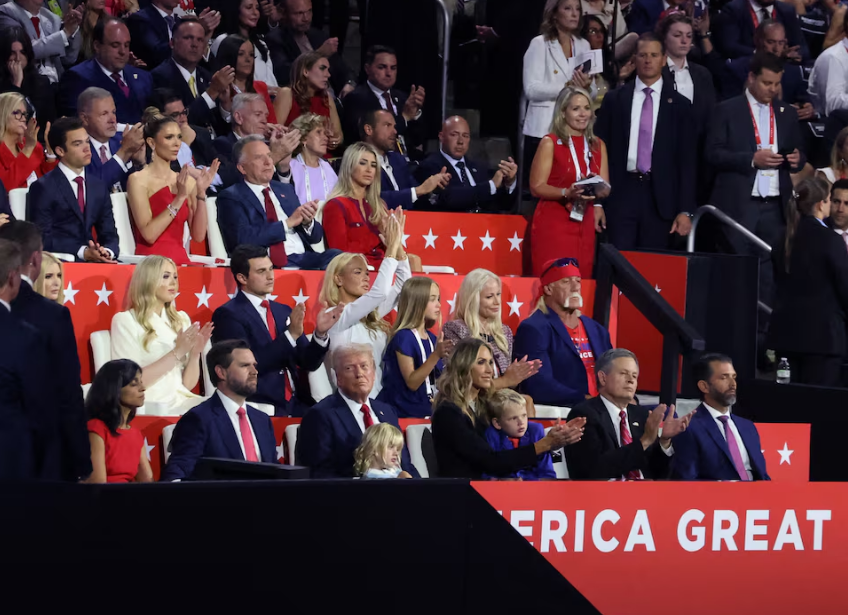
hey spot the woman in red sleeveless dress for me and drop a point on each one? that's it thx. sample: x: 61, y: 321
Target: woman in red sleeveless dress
x: 162, y: 201
x: 309, y: 93
x: 570, y: 153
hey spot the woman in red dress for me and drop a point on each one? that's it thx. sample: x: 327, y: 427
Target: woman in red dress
x: 162, y: 201
x: 309, y: 93
x: 21, y: 155
x: 566, y: 220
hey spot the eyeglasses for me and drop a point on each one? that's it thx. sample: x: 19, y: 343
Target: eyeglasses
x: 561, y: 262
x: 20, y: 115
x: 178, y: 114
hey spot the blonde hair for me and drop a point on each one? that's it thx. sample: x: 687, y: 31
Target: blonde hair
x: 330, y: 291
x: 503, y: 399
x: 344, y: 185
x: 48, y: 259
x: 559, y: 126
x: 374, y: 445
x: 142, y: 295
x: 9, y: 101
x: 412, y: 304
x: 468, y: 306
x: 836, y: 157
x: 455, y: 383
x: 305, y: 124
x: 549, y: 27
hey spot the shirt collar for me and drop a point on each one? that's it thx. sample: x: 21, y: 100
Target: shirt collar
x: 184, y: 72
x: 819, y: 219
x: 160, y: 11
x: 377, y: 91
x: 70, y: 174
x: 384, y: 160
x: 97, y: 144
x: 757, y: 8
x: 355, y: 406
x: 715, y: 413
x: 30, y: 15
x: 109, y: 73
x: 611, y: 406
x: 6, y: 305
x: 229, y: 405
x: 453, y: 160
x: 258, y: 190
x: 656, y: 86
x: 673, y: 66
x: 753, y: 101
x: 254, y: 299
x: 27, y: 279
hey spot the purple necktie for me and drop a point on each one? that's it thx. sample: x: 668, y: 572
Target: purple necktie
x: 734, y: 448
x: 646, y: 124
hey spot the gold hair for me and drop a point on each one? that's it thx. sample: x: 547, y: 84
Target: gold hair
x: 375, y: 443
x: 501, y: 400
x: 305, y: 124
x: 142, y: 295
x: 455, y: 384
x: 344, y: 185
x: 468, y: 306
x: 48, y: 259
x: 549, y: 28
x: 412, y: 304
x: 330, y: 291
x: 559, y: 126
x: 9, y: 101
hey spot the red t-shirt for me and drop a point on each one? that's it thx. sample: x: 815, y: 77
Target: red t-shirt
x: 122, y: 451
x: 581, y: 343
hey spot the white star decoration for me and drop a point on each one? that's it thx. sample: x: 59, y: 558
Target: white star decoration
x: 487, y: 241
x: 430, y: 240
x: 70, y: 294
x: 148, y: 448
x: 102, y: 295
x: 203, y: 297
x: 452, y: 303
x: 281, y: 450
x: 403, y: 241
x: 785, y: 454
x: 657, y: 288
x: 515, y: 242
x: 300, y: 297
x: 514, y: 306
x: 458, y: 240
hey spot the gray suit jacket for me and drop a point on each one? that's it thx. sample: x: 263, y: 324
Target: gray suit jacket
x: 51, y: 48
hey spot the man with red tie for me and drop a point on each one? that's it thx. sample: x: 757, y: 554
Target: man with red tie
x: 274, y: 332
x: 621, y: 439
x: 333, y: 428
x: 224, y: 426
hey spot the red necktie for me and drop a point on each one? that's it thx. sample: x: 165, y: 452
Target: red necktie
x: 278, y: 250
x: 625, y: 440
x: 272, y: 329
x: 36, y: 23
x: 246, y: 436
x: 80, y: 193
x: 516, y: 442
x: 366, y: 415
x: 389, y: 106
x: 123, y: 86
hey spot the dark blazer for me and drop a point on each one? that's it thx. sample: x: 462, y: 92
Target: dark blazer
x: 167, y: 75
x: 224, y: 145
x: 149, y: 36
x: 238, y: 319
x: 734, y: 35
x: 110, y: 173
x: 206, y: 431
x: 129, y: 109
x: 793, y: 85
x: 731, y: 145
x: 362, y: 100
x: 62, y: 439
x: 53, y: 206
x: 598, y: 455
x: 458, y: 197
x: 644, y: 15
x: 241, y: 217
x: 329, y: 435
x: 673, y: 156
x: 405, y: 181
x: 5, y: 207
x: 812, y: 300
x: 562, y: 380
x: 284, y: 51
x: 701, y: 453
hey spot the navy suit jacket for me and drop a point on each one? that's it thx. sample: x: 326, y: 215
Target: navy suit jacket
x: 405, y: 181
x: 5, y: 207
x: 362, y: 100
x: 701, y: 453
x: 167, y: 75
x: 149, y: 36
x: 241, y: 217
x: 562, y: 380
x: 459, y: 197
x: 238, y: 319
x: 129, y: 109
x: 644, y: 15
x: 329, y: 435
x: 734, y: 35
x: 52, y: 205
x: 110, y: 173
x: 206, y: 431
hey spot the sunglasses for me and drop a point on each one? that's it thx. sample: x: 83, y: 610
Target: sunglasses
x: 561, y: 262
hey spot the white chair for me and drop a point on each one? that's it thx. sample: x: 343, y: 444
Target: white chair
x: 214, y: 237
x: 414, y: 433
x: 551, y: 412
x: 560, y: 467
x: 167, y: 434
x: 101, y: 348
x: 291, y: 442
x: 266, y: 408
x: 319, y: 383
x: 18, y: 203
x: 438, y: 269
x: 85, y: 389
x: 209, y: 388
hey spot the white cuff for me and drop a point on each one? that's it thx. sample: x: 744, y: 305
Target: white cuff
x: 125, y: 166
x: 414, y: 194
x: 309, y: 228
x: 321, y: 342
x: 513, y: 184
x: 290, y: 339
x: 492, y: 188
x: 81, y: 253
x: 209, y: 102
x: 668, y: 451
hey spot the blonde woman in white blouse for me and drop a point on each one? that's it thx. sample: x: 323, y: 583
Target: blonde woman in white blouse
x: 346, y: 281
x: 161, y: 340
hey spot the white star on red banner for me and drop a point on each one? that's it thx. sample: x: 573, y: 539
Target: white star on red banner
x: 430, y: 239
x: 515, y: 242
x: 458, y: 240
x: 102, y: 295
x: 148, y: 448
x: 203, y: 297
x: 300, y: 297
x: 281, y: 450
x: 452, y: 303
x: 70, y: 294
x: 785, y: 454
x: 487, y: 241
x: 514, y: 306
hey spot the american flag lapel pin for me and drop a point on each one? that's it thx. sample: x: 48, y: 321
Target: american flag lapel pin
x: 135, y: 75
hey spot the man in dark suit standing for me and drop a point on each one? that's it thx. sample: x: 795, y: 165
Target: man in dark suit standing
x: 379, y: 92
x: 224, y: 426
x: 753, y: 143
x: 397, y: 185
x: 471, y: 186
x: 739, y: 19
x: 274, y: 331
x: 67, y: 203
x: 718, y: 446
x: 61, y: 437
x: 649, y: 131
x: 265, y: 212
x: 621, y: 439
x: 151, y: 29
x: 129, y: 87
x: 333, y: 428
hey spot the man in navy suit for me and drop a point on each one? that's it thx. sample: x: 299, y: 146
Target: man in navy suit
x: 224, y: 426
x: 333, y: 428
x: 264, y: 212
x: 397, y: 185
x: 735, y: 30
x: 470, y: 187
x: 108, y: 69
x: 151, y: 29
x: 566, y: 342
x: 5, y: 208
x: 282, y: 351
x: 650, y: 133
x: 718, y: 446
x: 67, y: 203
x: 61, y: 436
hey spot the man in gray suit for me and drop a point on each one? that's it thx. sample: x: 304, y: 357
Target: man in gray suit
x: 55, y: 43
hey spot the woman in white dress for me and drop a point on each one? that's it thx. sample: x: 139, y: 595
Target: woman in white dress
x: 161, y: 340
x: 346, y: 281
x: 312, y: 175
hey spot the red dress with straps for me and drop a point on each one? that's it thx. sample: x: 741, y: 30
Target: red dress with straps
x: 170, y: 242
x: 553, y: 234
x: 317, y: 104
x: 346, y: 229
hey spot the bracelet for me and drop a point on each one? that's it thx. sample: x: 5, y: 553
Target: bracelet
x: 199, y: 199
x: 172, y: 211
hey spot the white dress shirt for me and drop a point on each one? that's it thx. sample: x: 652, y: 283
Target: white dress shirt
x: 71, y: 176
x: 636, y: 116
x: 453, y: 161
x: 293, y: 243
x: 746, y: 459
x: 232, y: 412
x: 44, y: 67
x: 6, y: 305
x: 109, y: 73
x: 263, y: 313
x: 683, y: 78
x: 764, y: 128
x: 384, y: 163
x: 615, y: 417
x: 829, y: 80
x: 187, y: 75
x: 95, y: 151
x: 379, y: 94
x: 356, y: 409
x: 762, y: 12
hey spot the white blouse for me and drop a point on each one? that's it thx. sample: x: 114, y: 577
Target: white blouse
x: 168, y: 394
x: 382, y: 296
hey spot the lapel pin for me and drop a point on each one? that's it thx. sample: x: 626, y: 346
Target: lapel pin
x: 473, y: 170
x: 781, y: 109
x: 669, y: 101
x: 635, y: 424
x: 135, y: 76
x: 559, y: 141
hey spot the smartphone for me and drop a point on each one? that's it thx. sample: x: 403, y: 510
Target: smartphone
x: 586, y: 67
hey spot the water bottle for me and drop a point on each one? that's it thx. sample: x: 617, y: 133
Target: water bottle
x: 783, y: 373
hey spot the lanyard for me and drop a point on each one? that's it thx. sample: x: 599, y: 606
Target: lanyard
x: 754, y: 14
x: 757, y: 130
x: 586, y: 158
x: 306, y: 178
x: 427, y: 382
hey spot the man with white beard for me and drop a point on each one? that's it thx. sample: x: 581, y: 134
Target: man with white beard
x: 566, y: 342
